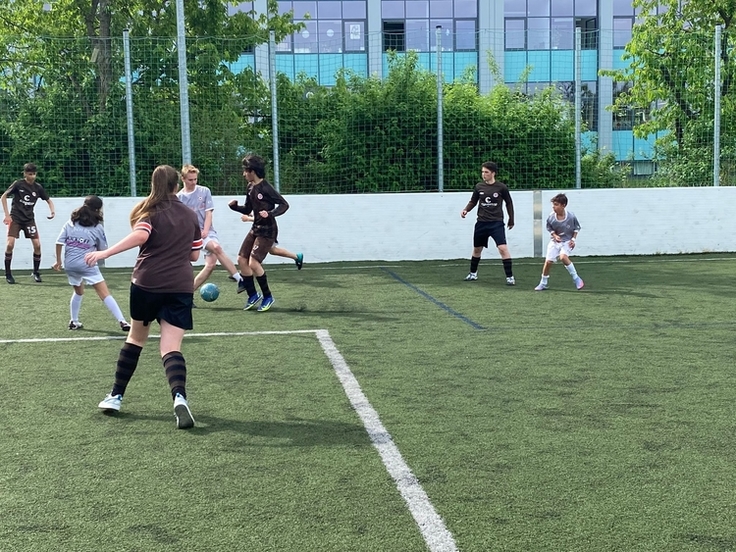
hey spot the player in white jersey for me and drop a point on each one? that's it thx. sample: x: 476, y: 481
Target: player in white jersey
x: 199, y: 199
x: 82, y: 234
x: 563, y: 227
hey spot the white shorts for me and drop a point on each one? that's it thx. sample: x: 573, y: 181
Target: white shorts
x: 90, y: 275
x: 554, y: 249
x: 211, y: 237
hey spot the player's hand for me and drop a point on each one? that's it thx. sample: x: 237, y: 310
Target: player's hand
x: 204, y: 234
x: 510, y: 225
x: 246, y: 218
x: 264, y: 214
x: 571, y: 243
x: 56, y: 266
x: 233, y: 204
x: 52, y: 215
x: 7, y: 220
x: 463, y: 213
x: 92, y: 258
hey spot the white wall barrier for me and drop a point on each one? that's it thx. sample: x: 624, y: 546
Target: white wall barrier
x: 426, y: 226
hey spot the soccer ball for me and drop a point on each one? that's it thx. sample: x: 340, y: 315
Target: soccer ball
x: 209, y: 292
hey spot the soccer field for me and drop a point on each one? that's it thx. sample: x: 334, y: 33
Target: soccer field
x: 385, y: 407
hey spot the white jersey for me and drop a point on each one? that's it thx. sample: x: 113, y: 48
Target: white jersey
x: 564, y: 228
x: 199, y: 201
x: 79, y: 240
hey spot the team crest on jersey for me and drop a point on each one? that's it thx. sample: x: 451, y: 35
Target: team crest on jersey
x: 495, y: 194
x: 260, y: 196
x: 33, y: 194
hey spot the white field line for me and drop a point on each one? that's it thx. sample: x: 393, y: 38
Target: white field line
x: 430, y: 524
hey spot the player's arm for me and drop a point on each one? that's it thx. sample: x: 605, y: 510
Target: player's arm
x: 509, y: 207
x: 244, y: 209
x: 57, y: 265
x: 136, y: 238
x: 4, y: 199
x: 51, y: 208
x: 471, y: 204
x: 281, y: 204
x: 207, y: 222
x: 197, y: 245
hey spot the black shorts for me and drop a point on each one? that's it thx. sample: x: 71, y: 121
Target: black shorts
x: 30, y: 230
x: 485, y: 230
x: 175, y: 308
x: 256, y: 247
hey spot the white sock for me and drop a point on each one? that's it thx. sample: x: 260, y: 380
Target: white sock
x: 544, y: 280
x: 237, y: 276
x: 113, y: 307
x: 75, y: 305
x: 571, y: 269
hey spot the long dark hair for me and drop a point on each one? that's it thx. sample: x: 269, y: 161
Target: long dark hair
x: 90, y: 213
x: 164, y: 183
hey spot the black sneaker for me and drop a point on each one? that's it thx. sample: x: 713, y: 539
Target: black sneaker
x: 37, y: 277
x: 241, y: 286
x: 231, y: 277
x: 9, y: 278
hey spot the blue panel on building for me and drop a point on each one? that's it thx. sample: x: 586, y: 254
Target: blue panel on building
x: 285, y: 64
x: 539, y: 61
x: 307, y: 64
x: 514, y: 65
x: 589, y: 65
x: 563, y: 65
x: 465, y: 61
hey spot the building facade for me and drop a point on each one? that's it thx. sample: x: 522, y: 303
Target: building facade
x: 528, y: 44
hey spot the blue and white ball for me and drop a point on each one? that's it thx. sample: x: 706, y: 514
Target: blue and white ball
x: 209, y: 292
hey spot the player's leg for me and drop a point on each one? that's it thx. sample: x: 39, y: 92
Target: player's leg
x: 565, y: 258
x: 247, y: 284
x: 13, y: 233
x: 298, y: 258
x: 75, y: 304
x: 109, y: 301
x: 176, y: 318
x: 219, y: 253
x: 498, y: 233
x: 260, y: 249
x: 209, y: 265
x: 36, y: 243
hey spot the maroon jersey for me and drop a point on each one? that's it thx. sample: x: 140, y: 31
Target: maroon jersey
x: 263, y: 197
x: 25, y: 196
x: 489, y: 198
x: 163, y: 261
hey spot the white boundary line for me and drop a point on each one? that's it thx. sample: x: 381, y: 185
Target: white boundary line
x: 430, y: 524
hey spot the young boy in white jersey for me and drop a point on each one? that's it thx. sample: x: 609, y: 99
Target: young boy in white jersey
x: 199, y: 199
x: 563, y: 227
x: 83, y: 234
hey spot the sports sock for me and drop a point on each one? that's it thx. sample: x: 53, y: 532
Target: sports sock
x: 8, y: 260
x: 263, y: 283
x: 36, y: 261
x: 176, y: 372
x: 114, y: 308
x: 507, y: 267
x: 250, y: 287
x: 127, y: 363
x: 474, y: 262
x: 237, y: 275
x: 544, y: 280
x: 75, y: 305
x: 571, y: 269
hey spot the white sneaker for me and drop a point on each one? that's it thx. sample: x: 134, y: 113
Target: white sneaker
x: 540, y: 287
x: 510, y: 281
x: 111, y: 403
x: 184, y: 418
x: 472, y: 276
x: 579, y: 284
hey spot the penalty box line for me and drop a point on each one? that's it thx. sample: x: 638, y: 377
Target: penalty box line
x: 431, y: 525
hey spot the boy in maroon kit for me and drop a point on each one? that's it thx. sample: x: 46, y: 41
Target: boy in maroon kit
x: 162, y: 287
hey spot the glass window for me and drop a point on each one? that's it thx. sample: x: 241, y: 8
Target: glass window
x: 417, y: 9
x: 563, y: 33
x: 417, y: 35
x: 330, y: 36
x: 465, y: 35
x: 354, y: 10
x: 305, y: 41
x: 622, y: 31
x: 392, y: 10
x: 394, y: 36
x: 284, y: 7
x: 539, y: 7
x: 466, y: 8
x: 243, y: 7
x: 515, y: 34
x: 589, y: 104
x: 301, y: 9
x: 513, y: 8
x: 622, y: 7
x: 562, y: 7
x: 538, y: 35
x: 355, y: 36
x: 329, y: 10
x: 447, y: 34
x: 585, y: 7
x: 440, y: 8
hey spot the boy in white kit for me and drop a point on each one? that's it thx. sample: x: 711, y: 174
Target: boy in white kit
x: 563, y: 226
x: 199, y: 199
x: 83, y: 234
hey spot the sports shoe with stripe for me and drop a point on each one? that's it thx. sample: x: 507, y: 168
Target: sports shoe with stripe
x: 266, y: 303
x: 36, y: 277
x: 252, y: 301
x: 75, y: 325
x: 111, y: 403
x: 184, y: 418
x: 579, y: 284
x: 299, y: 260
x: 540, y: 287
x: 124, y: 326
x: 472, y: 276
x: 510, y: 281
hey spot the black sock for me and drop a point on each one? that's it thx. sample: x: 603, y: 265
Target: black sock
x: 474, y: 262
x: 250, y: 287
x: 36, y: 261
x: 127, y: 363
x: 176, y: 372
x: 507, y: 268
x: 8, y: 260
x: 263, y: 283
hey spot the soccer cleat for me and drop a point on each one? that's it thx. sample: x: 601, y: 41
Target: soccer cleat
x: 540, y: 287
x: 241, y: 286
x: 266, y: 303
x: 9, y: 278
x: 299, y: 260
x: 111, y: 403
x: 75, y: 325
x: 472, y: 276
x: 124, y: 326
x: 184, y: 418
x: 510, y: 281
x: 252, y: 301
x: 37, y: 277
x: 231, y: 277
x: 579, y: 283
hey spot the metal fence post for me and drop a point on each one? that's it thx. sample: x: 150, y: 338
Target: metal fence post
x: 274, y: 109
x: 440, y: 156
x: 717, y: 109
x: 129, y: 113
x: 578, y: 107
x: 181, y: 46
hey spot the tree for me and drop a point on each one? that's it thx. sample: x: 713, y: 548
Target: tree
x: 671, y: 68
